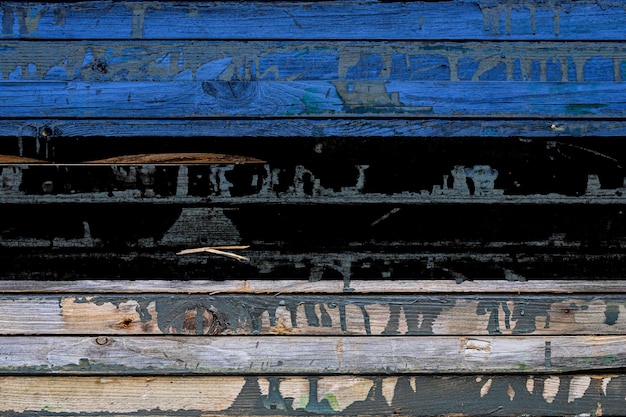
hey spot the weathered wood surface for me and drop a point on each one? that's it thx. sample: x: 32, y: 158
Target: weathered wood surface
x: 384, y: 263
x: 311, y: 128
x: 478, y: 395
x: 508, y: 208
x: 328, y: 314
x: 466, y: 19
x: 417, y: 286
x: 241, y: 355
x: 440, y: 184
x: 180, y: 99
x: 336, y: 61
x: 349, y: 80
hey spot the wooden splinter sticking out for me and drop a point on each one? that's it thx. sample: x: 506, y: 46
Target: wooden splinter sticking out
x: 218, y: 250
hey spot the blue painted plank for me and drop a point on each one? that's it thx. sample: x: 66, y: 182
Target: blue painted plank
x: 312, y: 60
x: 452, y: 19
x: 209, y: 99
x: 305, y: 127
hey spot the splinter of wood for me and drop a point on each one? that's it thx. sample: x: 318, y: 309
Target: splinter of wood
x: 217, y: 251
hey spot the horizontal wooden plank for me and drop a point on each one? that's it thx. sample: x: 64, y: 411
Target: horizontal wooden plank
x: 306, y: 314
x: 577, y: 176
x: 117, y: 61
x: 313, y: 128
x: 467, y: 19
x: 210, y: 99
x: 294, y: 355
x: 513, y: 395
x: 378, y: 286
x: 308, y: 263
x: 290, y: 261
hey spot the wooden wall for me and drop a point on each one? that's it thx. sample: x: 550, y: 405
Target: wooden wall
x: 313, y: 208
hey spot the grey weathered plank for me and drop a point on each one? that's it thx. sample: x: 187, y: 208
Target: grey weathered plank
x: 314, y: 128
x: 477, y: 395
x: 286, y: 286
x: 211, y: 99
x: 295, y: 355
x: 308, y: 314
x: 467, y: 19
x: 94, y: 61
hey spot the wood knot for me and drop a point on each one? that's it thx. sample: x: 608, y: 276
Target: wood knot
x: 125, y: 324
x: 102, y: 340
x: 231, y: 91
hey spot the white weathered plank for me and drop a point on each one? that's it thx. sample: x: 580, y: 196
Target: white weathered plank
x: 289, y: 355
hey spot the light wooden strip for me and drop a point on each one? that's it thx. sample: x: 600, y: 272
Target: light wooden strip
x: 337, y: 61
x: 287, y: 286
x: 289, y: 355
x: 298, y: 128
x: 309, y: 314
x: 467, y: 19
x: 401, y: 98
x: 479, y: 395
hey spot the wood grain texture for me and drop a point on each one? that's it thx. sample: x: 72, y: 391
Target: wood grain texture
x: 476, y: 395
x: 289, y: 355
x: 187, y: 99
x: 467, y: 19
x: 426, y: 198
x: 313, y: 128
x: 336, y: 61
x: 327, y: 315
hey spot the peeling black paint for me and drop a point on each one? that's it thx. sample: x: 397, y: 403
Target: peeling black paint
x: 215, y: 314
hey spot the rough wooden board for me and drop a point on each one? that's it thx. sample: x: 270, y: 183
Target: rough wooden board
x: 154, y: 180
x: 306, y: 314
x: 219, y: 99
x: 478, y: 395
x: 289, y: 355
x: 81, y: 263
x: 318, y: 128
x: 338, y: 61
x: 286, y: 286
x: 467, y: 19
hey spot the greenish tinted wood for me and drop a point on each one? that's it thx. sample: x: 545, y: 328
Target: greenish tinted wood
x: 309, y: 314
